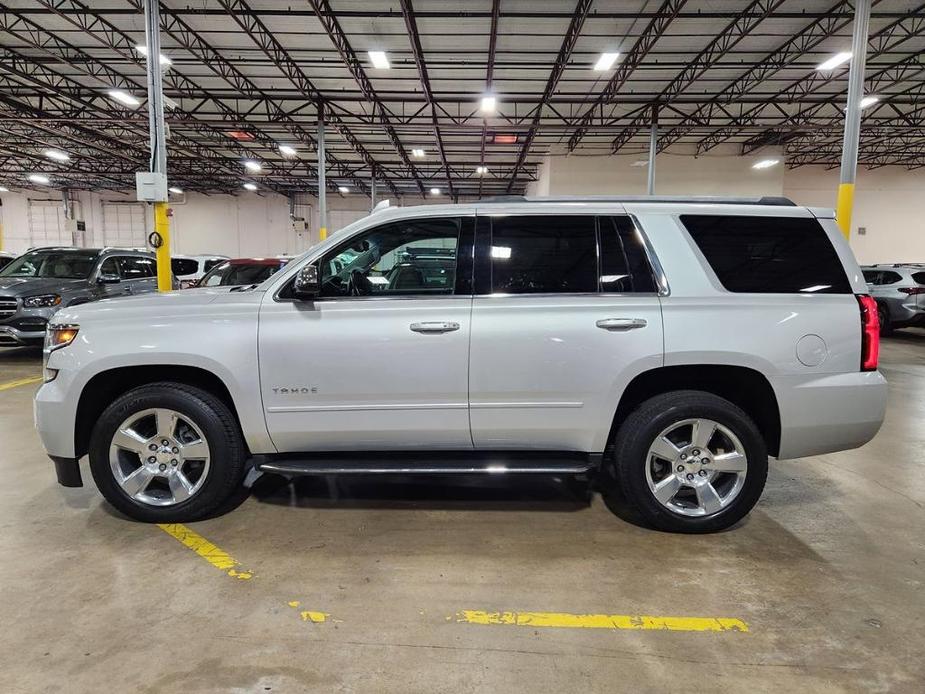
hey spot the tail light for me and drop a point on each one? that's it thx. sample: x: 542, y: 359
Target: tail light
x: 912, y: 291
x: 870, y: 333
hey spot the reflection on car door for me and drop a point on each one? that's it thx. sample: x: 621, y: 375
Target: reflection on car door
x: 570, y: 315
x: 374, y: 363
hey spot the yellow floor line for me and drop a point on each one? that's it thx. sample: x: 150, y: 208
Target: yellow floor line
x: 601, y: 621
x: 216, y: 556
x: 20, y: 382
x: 309, y: 615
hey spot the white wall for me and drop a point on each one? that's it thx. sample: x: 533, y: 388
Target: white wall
x: 889, y: 202
x: 234, y: 225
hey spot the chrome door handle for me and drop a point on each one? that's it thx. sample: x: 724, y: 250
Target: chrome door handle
x: 618, y: 324
x: 442, y: 326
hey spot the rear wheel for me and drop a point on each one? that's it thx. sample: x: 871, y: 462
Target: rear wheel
x: 167, y: 452
x: 690, y: 461
x: 883, y: 314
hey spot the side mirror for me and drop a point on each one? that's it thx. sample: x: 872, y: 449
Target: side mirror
x: 306, y: 284
x: 108, y: 279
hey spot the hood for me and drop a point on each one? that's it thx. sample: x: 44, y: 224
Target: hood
x: 153, y: 306
x: 29, y: 286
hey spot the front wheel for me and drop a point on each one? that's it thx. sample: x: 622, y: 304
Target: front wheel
x: 690, y: 461
x: 167, y: 453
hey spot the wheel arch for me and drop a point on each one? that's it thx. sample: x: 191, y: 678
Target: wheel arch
x: 747, y: 388
x: 108, y: 385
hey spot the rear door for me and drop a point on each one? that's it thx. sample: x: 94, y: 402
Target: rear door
x: 566, y: 313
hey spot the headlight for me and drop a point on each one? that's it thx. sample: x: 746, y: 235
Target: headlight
x: 41, y: 301
x: 57, y: 336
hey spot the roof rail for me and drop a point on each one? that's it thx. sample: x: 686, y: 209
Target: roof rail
x: 710, y: 199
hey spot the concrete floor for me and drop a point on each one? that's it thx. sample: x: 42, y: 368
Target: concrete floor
x: 828, y: 572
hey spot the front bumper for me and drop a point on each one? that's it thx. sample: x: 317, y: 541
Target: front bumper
x: 14, y: 337
x: 25, y: 326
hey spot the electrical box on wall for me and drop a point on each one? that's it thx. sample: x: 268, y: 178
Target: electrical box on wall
x: 298, y: 225
x: 150, y: 187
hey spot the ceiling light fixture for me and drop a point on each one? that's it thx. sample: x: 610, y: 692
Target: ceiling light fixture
x: 39, y: 178
x: 868, y: 101
x: 379, y: 60
x: 176, y: 191
x: 640, y: 163
x: 124, y: 97
x: 57, y: 155
x: 250, y: 186
x: 834, y: 61
x: 417, y: 153
x: 765, y: 163
x: 481, y: 170
x: 287, y: 150
x: 343, y: 189
x: 605, y: 62
x: 435, y: 191
x: 4, y: 189
x: 163, y: 59
x: 489, y: 104
x: 251, y: 165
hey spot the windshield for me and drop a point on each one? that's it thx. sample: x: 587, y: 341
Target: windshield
x: 62, y: 265
x: 231, y: 274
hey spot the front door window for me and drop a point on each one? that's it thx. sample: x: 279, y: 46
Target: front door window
x: 407, y: 258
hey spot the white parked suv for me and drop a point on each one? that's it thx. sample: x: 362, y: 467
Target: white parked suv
x: 672, y: 345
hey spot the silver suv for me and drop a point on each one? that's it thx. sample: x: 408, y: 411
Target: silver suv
x: 899, y: 291
x: 669, y: 345
x: 37, y: 284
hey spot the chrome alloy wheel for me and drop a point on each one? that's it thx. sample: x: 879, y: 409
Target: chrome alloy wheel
x: 159, y: 457
x: 696, y: 467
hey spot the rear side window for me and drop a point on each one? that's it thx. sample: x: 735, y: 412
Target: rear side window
x: 918, y: 277
x: 768, y: 255
x: 533, y: 254
x: 871, y: 276
x: 184, y: 266
x: 136, y: 267
x: 890, y: 277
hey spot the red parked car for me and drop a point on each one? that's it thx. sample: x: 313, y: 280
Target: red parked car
x: 239, y: 272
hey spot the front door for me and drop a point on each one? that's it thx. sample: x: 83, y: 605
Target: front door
x: 572, y: 314
x: 379, y: 361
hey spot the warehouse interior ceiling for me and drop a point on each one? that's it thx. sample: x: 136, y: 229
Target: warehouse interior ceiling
x: 246, y: 77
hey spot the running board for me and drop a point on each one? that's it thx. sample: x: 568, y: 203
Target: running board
x: 431, y: 463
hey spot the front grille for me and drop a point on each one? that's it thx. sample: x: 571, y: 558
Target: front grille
x: 7, y: 307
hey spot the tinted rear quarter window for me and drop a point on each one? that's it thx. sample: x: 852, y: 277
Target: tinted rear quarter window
x: 768, y: 255
x: 890, y: 277
x: 918, y: 277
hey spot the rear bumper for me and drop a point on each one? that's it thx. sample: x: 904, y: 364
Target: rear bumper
x: 823, y: 414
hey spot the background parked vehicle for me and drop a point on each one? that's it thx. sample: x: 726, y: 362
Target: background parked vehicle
x: 189, y: 269
x: 5, y: 259
x: 242, y: 271
x: 41, y: 281
x: 899, y: 290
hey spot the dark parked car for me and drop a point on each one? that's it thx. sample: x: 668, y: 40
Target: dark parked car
x: 41, y: 281
x: 5, y: 259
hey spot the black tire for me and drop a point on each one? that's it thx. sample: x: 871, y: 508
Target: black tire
x: 883, y: 314
x: 228, y: 455
x: 639, y: 430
